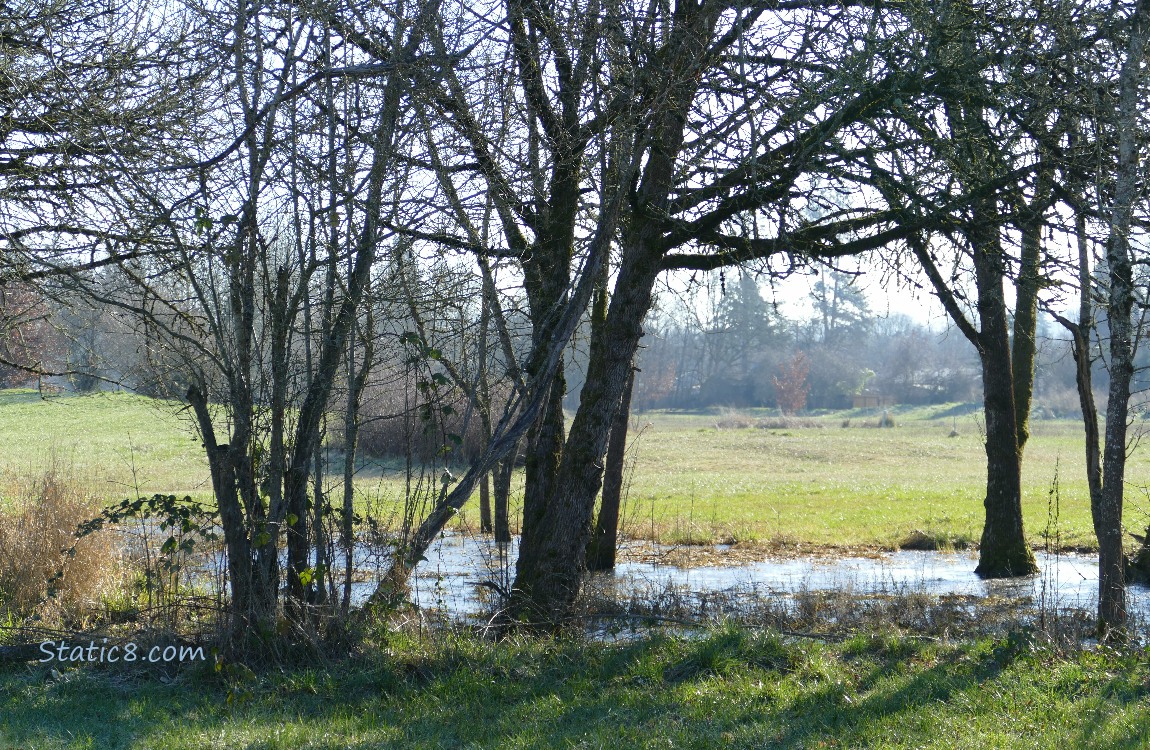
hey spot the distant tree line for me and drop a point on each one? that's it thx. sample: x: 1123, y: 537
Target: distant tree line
x: 730, y: 352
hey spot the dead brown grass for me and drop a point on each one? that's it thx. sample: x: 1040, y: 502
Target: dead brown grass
x: 44, y: 569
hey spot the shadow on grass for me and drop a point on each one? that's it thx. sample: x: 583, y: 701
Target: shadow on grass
x: 730, y: 688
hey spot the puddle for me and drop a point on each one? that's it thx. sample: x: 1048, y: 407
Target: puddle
x: 456, y: 565
x: 452, y: 577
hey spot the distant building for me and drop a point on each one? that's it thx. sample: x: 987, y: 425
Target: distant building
x: 873, y: 400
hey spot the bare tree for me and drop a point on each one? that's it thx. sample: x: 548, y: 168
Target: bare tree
x: 1006, y: 119
x: 256, y: 313
x: 1122, y: 299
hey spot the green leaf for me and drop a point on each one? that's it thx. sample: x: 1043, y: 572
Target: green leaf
x: 291, y: 519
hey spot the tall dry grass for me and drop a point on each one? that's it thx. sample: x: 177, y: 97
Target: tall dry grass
x: 45, y: 570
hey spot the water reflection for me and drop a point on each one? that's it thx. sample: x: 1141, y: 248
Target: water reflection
x: 456, y: 566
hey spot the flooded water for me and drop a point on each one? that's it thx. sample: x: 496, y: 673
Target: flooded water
x: 456, y: 565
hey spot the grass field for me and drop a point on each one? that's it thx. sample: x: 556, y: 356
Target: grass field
x: 857, y: 485
x: 109, y: 441
x: 692, y: 481
x: 730, y: 688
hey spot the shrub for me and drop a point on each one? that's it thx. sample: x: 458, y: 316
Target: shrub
x: 392, y: 422
x: 44, y: 569
x: 733, y: 419
x: 787, y: 423
x: 791, y: 388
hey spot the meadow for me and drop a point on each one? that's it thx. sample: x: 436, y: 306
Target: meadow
x: 693, y: 478
x: 834, y: 486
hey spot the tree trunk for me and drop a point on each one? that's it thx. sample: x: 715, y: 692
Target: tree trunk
x: 604, y: 540
x: 485, y: 523
x: 482, y: 400
x: 1003, y: 551
x: 253, y: 603
x: 552, y: 557
x: 502, y: 491
x: 1024, y: 343
x: 544, y: 454
x: 545, y: 367
x: 1112, y: 614
x: 1111, y: 574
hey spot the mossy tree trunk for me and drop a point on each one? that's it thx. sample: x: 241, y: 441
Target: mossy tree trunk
x: 1003, y: 551
x: 552, y: 555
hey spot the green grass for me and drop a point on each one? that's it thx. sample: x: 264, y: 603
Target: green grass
x: 730, y: 688
x: 692, y: 483
x: 109, y: 441
x: 851, y: 486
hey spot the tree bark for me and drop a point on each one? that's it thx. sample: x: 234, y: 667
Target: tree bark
x: 1112, y: 615
x: 604, y: 541
x: 502, y: 491
x: 486, y: 526
x: 1025, y: 339
x: 1003, y: 551
x: 552, y: 558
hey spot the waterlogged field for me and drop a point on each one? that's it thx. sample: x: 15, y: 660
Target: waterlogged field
x: 693, y: 479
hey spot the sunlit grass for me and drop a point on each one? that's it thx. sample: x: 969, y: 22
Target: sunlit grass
x: 849, y: 486
x: 111, y: 441
x: 691, y: 482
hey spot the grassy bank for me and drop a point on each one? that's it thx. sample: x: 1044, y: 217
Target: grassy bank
x: 730, y: 688
x: 696, y: 478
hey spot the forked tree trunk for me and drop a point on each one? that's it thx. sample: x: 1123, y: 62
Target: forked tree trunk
x: 553, y: 550
x: 552, y: 558
x: 1003, y: 551
x: 254, y: 597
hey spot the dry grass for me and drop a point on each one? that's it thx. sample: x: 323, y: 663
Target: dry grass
x: 733, y: 419
x: 45, y: 570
